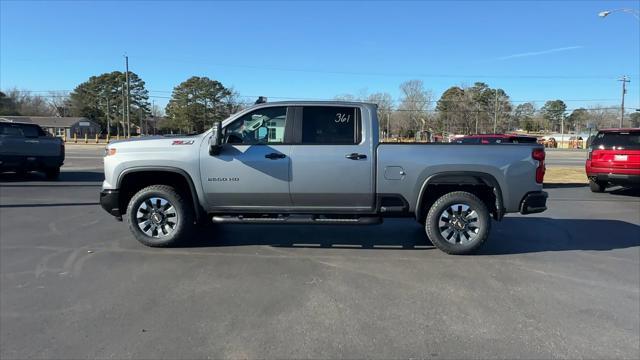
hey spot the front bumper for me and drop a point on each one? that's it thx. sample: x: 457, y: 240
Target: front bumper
x: 110, y: 201
x: 534, y: 202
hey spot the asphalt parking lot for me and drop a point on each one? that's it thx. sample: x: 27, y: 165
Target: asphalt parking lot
x: 75, y: 284
x: 566, y: 157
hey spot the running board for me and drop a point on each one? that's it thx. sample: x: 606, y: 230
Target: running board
x: 296, y: 219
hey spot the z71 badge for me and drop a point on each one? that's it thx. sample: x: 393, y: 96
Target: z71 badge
x: 182, y: 142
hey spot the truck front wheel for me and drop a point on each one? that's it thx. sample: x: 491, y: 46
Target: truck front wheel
x: 160, y: 216
x: 458, y: 223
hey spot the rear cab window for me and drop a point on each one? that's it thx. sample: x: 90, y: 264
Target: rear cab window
x: 524, y: 140
x: 10, y: 130
x: 21, y: 130
x: 623, y: 140
x: 331, y: 125
x: 468, y: 141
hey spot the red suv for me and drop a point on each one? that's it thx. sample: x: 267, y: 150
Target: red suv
x: 495, y: 139
x: 614, y: 158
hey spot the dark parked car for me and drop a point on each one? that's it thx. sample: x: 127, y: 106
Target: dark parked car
x: 614, y: 158
x: 26, y: 147
x: 496, y: 139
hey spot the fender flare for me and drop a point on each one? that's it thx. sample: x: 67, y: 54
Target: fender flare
x: 463, y: 177
x: 200, y: 213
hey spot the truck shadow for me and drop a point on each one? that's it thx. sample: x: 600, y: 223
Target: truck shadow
x: 511, y: 236
x: 519, y: 235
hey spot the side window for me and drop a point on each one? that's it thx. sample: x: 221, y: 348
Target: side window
x: 469, y: 141
x: 330, y: 125
x: 10, y: 130
x: 263, y: 126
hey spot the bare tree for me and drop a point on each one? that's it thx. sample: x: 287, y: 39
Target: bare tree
x: 602, y: 116
x: 59, y: 103
x: 385, y: 109
x: 28, y: 104
x: 415, y: 104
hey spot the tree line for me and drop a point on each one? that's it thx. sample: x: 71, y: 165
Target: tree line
x: 194, y: 106
x: 198, y: 102
x: 480, y: 109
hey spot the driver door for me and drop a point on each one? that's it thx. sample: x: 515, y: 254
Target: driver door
x: 252, y: 170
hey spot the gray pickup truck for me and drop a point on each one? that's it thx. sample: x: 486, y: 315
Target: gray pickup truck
x: 317, y: 163
x: 26, y: 147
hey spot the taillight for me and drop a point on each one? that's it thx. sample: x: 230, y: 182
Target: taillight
x: 539, y: 155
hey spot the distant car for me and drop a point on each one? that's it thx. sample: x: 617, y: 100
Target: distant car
x: 614, y: 158
x: 26, y: 147
x: 496, y: 139
x: 550, y: 143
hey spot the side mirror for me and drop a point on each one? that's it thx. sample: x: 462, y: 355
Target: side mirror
x: 215, y: 143
x: 262, y: 133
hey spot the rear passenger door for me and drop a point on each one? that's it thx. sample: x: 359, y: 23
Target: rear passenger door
x: 331, y: 160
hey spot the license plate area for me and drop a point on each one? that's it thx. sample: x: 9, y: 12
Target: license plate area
x: 620, y: 157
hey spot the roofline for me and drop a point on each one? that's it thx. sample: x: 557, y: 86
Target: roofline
x: 503, y: 135
x: 17, y: 122
x: 311, y: 102
x: 619, y: 129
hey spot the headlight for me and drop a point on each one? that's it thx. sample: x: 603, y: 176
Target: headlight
x: 109, y: 151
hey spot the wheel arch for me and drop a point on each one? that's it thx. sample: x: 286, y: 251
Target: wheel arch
x: 444, y: 182
x: 133, y: 179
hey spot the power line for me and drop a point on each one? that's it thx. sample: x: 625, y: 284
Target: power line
x: 307, y: 98
x: 410, y: 75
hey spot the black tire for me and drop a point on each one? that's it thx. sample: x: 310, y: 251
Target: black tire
x: 597, y: 186
x: 52, y: 174
x: 183, y: 220
x: 471, y: 234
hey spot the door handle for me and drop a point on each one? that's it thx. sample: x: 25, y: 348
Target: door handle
x: 274, y: 156
x: 355, y: 156
x: 32, y: 141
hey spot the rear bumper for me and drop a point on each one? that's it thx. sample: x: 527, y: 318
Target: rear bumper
x: 21, y: 162
x: 110, y: 202
x: 534, y: 202
x: 618, y: 179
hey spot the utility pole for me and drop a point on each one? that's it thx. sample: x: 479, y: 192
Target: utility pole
x: 388, y: 127
x: 477, y: 110
x: 561, y: 130
x: 108, y: 120
x: 126, y: 76
x: 624, y: 91
x: 495, y: 114
x: 153, y: 115
x: 204, y: 121
x: 123, y: 112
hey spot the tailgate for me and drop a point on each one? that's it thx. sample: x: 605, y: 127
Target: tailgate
x: 616, y: 159
x: 43, y: 146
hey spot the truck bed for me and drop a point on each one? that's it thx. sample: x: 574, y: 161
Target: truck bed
x: 403, y: 168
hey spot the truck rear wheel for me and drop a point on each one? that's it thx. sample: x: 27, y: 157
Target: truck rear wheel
x: 159, y: 216
x: 458, y: 223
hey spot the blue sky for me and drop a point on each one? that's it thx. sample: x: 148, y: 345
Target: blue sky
x: 534, y: 50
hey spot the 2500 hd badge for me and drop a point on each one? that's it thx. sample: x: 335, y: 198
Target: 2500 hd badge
x: 223, y: 179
